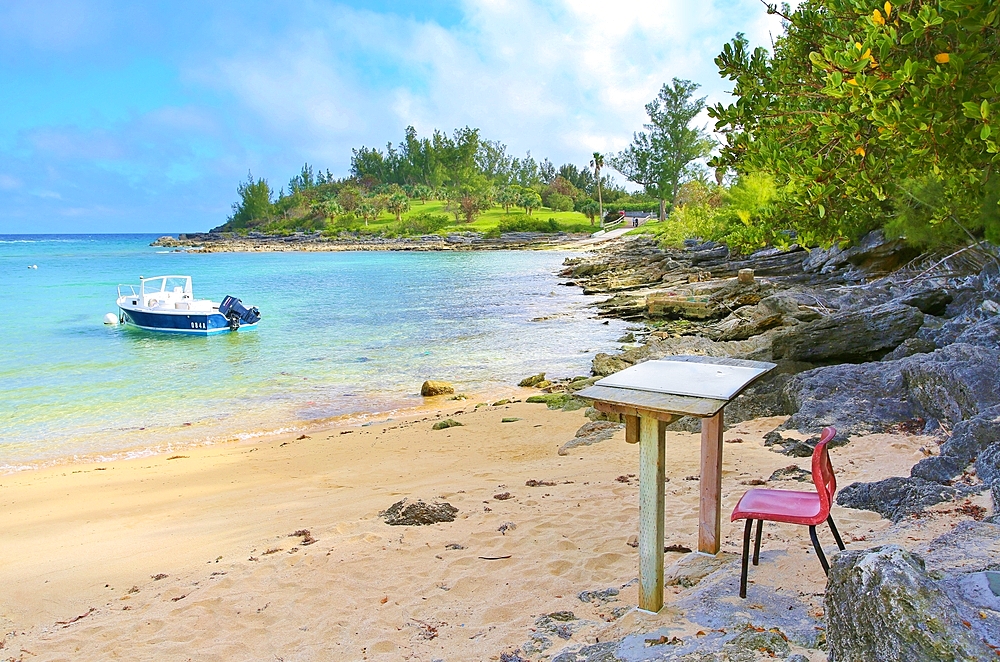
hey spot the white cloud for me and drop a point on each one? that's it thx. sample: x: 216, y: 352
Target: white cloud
x: 561, y: 78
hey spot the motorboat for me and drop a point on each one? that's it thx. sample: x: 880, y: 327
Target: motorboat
x: 167, y: 303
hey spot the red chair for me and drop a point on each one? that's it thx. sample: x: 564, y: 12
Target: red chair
x: 807, y: 508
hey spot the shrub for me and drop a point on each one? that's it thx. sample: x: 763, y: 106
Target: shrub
x: 422, y: 223
x: 344, y: 223
x: 560, y: 202
x: 524, y: 223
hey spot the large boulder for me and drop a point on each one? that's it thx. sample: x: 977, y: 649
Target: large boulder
x: 896, y: 497
x: 852, y: 336
x: 954, y: 383
x: 950, y: 384
x: 431, y: 388
x: 882, y: 606
x: 969, y: 440
x: 874, y: 254
x: 855, y: 398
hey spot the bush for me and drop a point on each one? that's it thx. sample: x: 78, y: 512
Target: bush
x: 422, y: 223
x: 560, y: 202
x: 524, y: 223
x: 344, y: 223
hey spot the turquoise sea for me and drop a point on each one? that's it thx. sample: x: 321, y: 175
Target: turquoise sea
x: 343, y: 334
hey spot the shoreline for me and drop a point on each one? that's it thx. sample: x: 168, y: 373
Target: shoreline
x: 62, y: 442
x: 361, y: 418
x: 228, y: 242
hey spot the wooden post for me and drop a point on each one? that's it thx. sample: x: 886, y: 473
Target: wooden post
x: 652, y: 466
x: 710, y: 504
x: 631, y: 429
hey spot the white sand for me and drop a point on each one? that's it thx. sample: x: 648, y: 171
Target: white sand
x: 78, y: 538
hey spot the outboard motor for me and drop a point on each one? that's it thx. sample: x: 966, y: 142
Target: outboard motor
x: 237, y: 313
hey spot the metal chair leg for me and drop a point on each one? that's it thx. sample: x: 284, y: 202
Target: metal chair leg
x: 819, y: 549
x: 746, y: 557
x: 756, y: 546
x: 836, y: 534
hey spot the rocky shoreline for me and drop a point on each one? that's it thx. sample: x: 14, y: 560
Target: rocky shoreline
x: 872, y: 339
x: 255, y: 242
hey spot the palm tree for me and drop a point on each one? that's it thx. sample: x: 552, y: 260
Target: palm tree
x: 597, y: 163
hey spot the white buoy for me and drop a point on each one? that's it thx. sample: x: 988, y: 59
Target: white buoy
x: 111, y: 319
x: 32, y: 266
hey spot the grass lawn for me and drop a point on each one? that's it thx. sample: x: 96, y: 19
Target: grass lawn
x: 569, y: 221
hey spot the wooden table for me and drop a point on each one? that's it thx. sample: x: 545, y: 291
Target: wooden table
x: 650, y: 396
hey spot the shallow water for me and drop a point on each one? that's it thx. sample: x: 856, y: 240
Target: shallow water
x: 342, y: 333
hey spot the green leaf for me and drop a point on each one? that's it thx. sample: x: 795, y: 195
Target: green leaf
x: 984, y: 109
x: 985, y: 132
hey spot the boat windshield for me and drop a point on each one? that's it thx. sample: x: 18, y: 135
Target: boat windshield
x: 176, y: 284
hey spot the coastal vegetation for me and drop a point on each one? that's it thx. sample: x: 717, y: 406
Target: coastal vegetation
x: 438, y: 184
x: 860, y: 118
x: 863, y: 116
x: 857, y: 119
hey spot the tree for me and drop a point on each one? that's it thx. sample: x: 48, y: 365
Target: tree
x: 302, y: 181
x: 255, y: 202
x: 468, y: 202
x: 396, y: 201
x: 349, y: 198
x: 370, y: 207
x: 864, y: 113
x: 560, y: 202
x: 422, y: 192
x: 529, y: 199
x: 597, y: 163
x: 590, y: 209
x: 507, y: 197
x: 662, y: 159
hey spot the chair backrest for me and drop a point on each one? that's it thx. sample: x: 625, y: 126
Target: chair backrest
x: 822, y: 471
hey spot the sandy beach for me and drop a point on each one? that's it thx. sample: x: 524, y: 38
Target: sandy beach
x: 193, y: 557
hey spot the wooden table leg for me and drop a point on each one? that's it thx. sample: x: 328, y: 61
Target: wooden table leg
x: 632, y: 429
x: 710, y: 504
x: 652, y: 465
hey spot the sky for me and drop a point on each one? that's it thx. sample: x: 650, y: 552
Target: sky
x: 144, y: 116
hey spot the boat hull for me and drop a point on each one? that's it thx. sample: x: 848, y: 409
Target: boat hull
x: 193, y: 323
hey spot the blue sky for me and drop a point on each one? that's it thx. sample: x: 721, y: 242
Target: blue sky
x: 144, y: 116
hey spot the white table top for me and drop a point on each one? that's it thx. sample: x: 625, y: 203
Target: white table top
x: 697, y: 377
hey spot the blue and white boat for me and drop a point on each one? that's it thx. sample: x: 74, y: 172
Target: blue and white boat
x: 167, y: 303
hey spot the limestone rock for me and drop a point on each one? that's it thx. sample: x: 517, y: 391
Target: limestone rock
x: 929, y: 302
x: 692, y: 568
x: 532, y: 381
x: 446, y: 423
x: 895, y: 498
x: 874, y: 254
x: 988, y: 464
x: 954, y: 383
x: 431, y: 388
x: 881, y: 606
x: 855, y: 398
x: 792, y: 472
x: 591, y: 433
x: 747, y: 646
x: 852, y: 336
x: 603, y: 652
x: 969, y: 440
x: 418, y: 513
x: 910, y: 347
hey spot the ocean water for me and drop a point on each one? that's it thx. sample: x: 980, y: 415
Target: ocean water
x: 342, y: 334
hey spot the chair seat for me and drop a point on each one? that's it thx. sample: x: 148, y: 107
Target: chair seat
x: 780, y: 506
